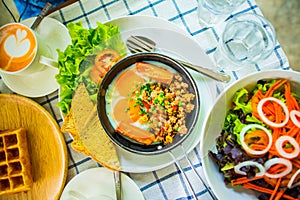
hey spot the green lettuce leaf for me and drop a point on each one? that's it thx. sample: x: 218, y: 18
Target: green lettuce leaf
x: 241, y: 101
x: 74, y: 64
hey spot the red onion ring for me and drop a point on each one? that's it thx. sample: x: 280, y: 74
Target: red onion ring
x: 290, y: 184
x: 245, y: 146
x: 265, y: 119
x: 238, y: 167
x: 292, y: 141
x: 293, y: 117
x: 274, y: 161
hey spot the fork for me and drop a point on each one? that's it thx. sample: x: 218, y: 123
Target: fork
x: 137, y: 44
x: 213, y: 196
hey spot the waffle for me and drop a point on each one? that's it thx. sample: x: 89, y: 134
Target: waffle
x: 15, y: 168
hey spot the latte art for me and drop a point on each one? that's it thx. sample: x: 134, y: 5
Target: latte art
x: 18, y: 47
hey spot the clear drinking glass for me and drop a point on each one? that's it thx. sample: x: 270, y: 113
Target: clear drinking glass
x: 246, y: 40
x: 211, y: 12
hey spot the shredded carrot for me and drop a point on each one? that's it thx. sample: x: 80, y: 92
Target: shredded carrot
x: 258, y: 138
x: 273, y: 152
x: 275, y: 86
x: 254, y: 102
x: 287, y: 94
x: 278, y: 113
x: 288, y: 150
x: 283, y: 132
x: 297, y: 107
x: 276, y: 134
x: 291, y: 102
x: 243, y: 180
x: 296, y: 162
x: 289, y: 125
x: 298, y: 138
x: 257, y: 188
x: 293, y: 131
x: 279, y: 195
x: 275, y: 189
x: 268, y: 109
x: 277, y: 168
x: 258, y: 147
x: 265, y: 190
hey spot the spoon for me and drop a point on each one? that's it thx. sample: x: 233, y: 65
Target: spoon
x: 117, y: 179
x: 137, y: 44
x: 41, y: 16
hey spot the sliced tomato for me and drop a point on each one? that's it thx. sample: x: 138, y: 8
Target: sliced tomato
x: 102, y: 63
x: 97, y: 75
x: 154, y: 72
x: 146, y: 105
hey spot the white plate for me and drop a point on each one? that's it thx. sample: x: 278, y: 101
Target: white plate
x: 42, y: 83
x: 181, y: 45
x: 99, y: 182
x: 132, y: 22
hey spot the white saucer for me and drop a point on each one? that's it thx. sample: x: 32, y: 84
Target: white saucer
x: 174, y: 41
x: 41, y: 83
x: 99, y: 182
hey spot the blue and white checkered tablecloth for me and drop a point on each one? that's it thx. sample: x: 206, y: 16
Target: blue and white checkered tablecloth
x: 166, y: 183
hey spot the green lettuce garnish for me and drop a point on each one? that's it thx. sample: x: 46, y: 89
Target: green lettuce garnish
x: 74, y: 63
x: 241, y: 101
x: 264, y: 86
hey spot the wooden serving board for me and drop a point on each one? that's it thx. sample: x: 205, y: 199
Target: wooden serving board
x: 46, y: 145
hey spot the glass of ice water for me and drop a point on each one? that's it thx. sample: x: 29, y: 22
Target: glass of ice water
x: 211, y: 12
x: 246, y: 40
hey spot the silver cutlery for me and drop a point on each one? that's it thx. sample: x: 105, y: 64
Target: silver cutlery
x: 117, y: 179
x: 41, y: 16
x: 189, y: 184
x: 137, y: 44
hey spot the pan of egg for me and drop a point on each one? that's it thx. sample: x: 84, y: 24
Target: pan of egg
x: 148, y: 103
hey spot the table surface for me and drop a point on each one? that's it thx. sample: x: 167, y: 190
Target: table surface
x: 285, y: 17
x: 156, y: 184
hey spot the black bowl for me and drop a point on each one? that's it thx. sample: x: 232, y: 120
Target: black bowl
x: 127, y: 143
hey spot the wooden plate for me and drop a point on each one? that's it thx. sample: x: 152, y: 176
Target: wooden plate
x: 46, y: 145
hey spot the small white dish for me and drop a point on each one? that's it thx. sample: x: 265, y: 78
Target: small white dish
x: 42, y: 83
x: 98, y: 183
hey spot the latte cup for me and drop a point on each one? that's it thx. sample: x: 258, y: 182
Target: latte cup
x: 22, y: 52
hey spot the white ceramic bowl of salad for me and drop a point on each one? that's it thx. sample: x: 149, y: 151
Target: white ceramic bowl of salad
x: 214, y: 124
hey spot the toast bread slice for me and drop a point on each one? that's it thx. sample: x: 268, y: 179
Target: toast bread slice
x: 89, y: 137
